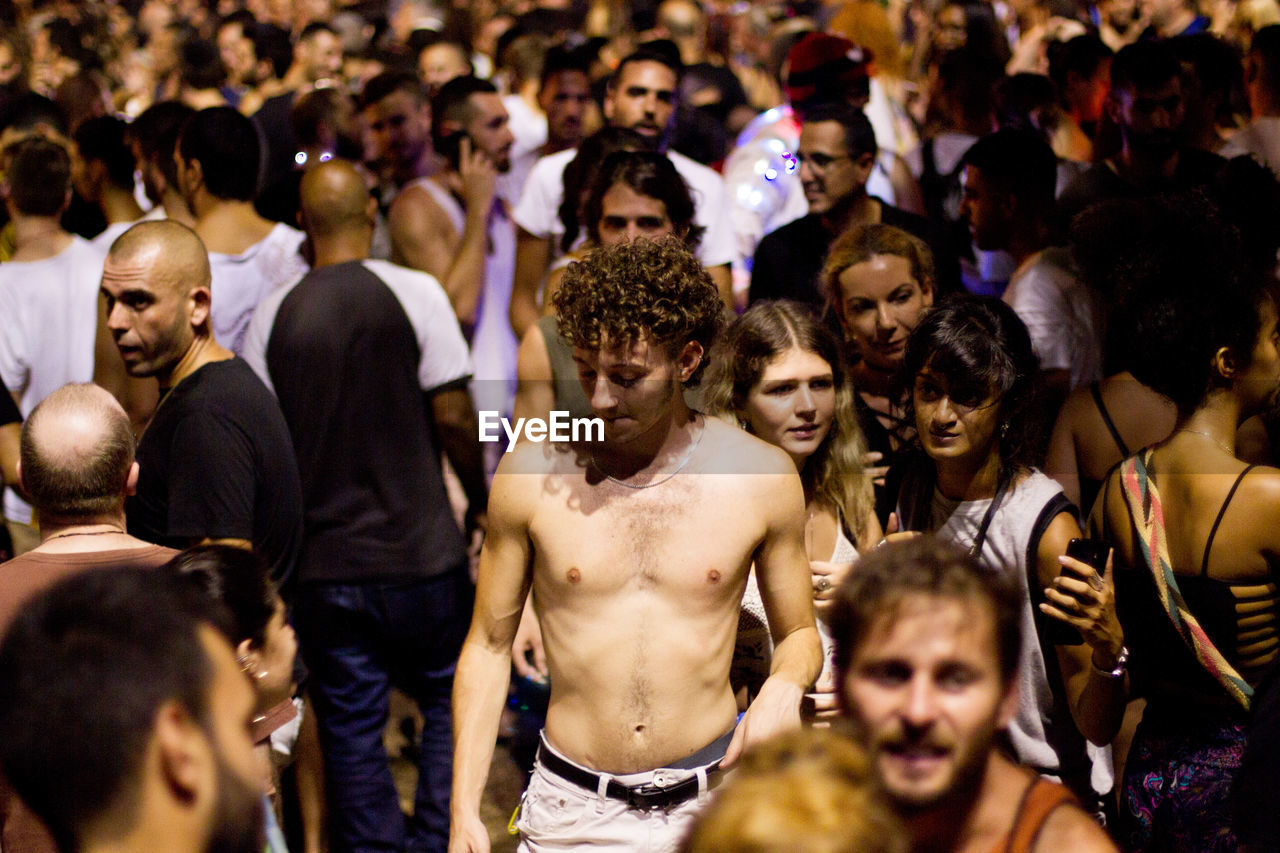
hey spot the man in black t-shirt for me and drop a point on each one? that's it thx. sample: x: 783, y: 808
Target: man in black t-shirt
x: 837, y: 153
x: 1146, y: 103
x: 216, y: 463
x: 371, y: 371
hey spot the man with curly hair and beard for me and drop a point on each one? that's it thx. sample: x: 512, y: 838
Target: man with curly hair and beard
x: 637, y: 549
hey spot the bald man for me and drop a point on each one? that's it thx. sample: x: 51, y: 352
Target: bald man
x: 216, y: 462
x: 77, y: 466
x: 371, y: 370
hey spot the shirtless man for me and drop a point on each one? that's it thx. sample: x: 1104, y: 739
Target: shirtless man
x: 927, y: 647
x: 637, y: 550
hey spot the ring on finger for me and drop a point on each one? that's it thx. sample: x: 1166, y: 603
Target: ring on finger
x: 823, y: 584
x: 1095, y: 581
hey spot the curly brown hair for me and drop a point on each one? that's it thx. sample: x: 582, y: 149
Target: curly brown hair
x: 640, y: 288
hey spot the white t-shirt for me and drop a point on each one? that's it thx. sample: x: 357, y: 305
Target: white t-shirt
x: 104, y: 240
x: 241, y: 281
x: 1004, y: 549
x: 1260, y: 140
x: 539, y: 204
x: 48, y: 325
x: 444, y: 353
x: 529, y: 127
x: 1059, y: 313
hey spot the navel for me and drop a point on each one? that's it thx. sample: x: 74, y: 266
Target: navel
x: 573, y: 575
x: 713, y: 576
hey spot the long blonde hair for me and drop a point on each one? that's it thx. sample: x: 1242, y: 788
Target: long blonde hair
x: 834, y: 472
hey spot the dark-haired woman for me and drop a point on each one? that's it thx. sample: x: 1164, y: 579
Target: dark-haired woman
x: 1196, y: 533
x: 264, y: 641
x: 973, y: 378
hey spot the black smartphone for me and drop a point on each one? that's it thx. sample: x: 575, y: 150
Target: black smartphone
x: 450, y: 147
x: 1092, y: 552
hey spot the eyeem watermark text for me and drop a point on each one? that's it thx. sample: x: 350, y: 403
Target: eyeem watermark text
x: 560, y: 427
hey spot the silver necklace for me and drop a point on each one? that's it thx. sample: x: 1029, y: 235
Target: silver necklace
x: 683, y: 462
x: 85, y: 533
x: 1225, y: 449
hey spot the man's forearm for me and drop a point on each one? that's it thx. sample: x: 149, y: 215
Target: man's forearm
x: 479, y: 691
x: 533, y: 255
x: 798, y: 658
x: 465, y: 279
x: 459, y: 436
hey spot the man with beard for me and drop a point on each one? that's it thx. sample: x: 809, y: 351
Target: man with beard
x: 454, y: 227
x: 837, y: 154
x: 1008, y: 182
x: 1146, y: 103
x: 397, y: 119
x: 642, y: 96
x: 216, y: 462
x: 927, y: 645
x: 125, y: 718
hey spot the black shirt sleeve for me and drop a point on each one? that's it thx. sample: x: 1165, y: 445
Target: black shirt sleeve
x: 9, y: 413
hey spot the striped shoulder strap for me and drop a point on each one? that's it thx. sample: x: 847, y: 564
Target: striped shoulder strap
x: 1148, y: 517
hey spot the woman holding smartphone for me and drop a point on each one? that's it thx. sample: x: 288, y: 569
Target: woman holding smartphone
x: 1196, y: 533
x: 973, y: 386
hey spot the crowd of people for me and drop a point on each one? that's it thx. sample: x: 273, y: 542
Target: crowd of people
x: 935, y: 349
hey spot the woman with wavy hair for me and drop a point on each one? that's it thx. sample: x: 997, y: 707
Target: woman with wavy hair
x: 778, y: 373
x: 879, y: 281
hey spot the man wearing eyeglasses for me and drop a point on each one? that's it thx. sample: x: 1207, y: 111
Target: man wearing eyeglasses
x: 836, y: 154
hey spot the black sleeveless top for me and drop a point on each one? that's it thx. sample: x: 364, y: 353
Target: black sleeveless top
x: 1240, y: 619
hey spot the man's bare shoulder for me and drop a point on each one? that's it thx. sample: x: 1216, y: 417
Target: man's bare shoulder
x: 520, y: 480
x: 1069, y: 827
x: 539, y: 458
x: 415, y: 203
x: 729, y: 449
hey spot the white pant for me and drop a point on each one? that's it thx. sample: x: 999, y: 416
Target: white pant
x: 556, y: 814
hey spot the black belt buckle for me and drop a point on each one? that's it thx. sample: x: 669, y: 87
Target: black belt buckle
x: 641, y: 798
x: 652, y: 797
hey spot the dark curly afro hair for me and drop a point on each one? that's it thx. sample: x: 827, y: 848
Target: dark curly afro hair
x: 640, y: 288
x: 1183, y: 285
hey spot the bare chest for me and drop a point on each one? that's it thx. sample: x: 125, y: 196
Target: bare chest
x: 693, y: 537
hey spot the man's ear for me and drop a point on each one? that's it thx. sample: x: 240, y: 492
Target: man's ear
x: 183, y: 751
x: 865, y: 164
x: 689, y: 359
x: 200, y: 298
x: 130, y: 482
x: 18, y: 468
x: 190, y: 177
x: 96, y: 170
x: 1225, y: 363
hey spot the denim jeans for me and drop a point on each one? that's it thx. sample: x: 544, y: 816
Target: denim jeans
x: 359, y: 640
